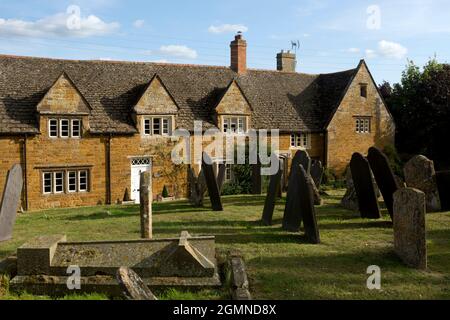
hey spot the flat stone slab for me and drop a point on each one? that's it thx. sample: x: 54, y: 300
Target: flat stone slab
x: 409, y: 227
x: 365, y: 187
x: 10, y: 202
x: 187, y: 260
x: 384, y: 177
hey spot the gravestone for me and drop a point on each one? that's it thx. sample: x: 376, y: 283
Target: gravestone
x: 256, y: 178
x: 350, y: 199
x: 132, y: 285
x: 420, y: 174
x: 211, y: 183
x: 272, y: 192
x: 306, y: 208
x: 146, y: 199
x: 221, y: 176
x: 10, y: 202
x: 197, y: 187
x: 292, y: 216
x: 315, y: 191
x: 317, y: 172
x: 384, y: 177
x: 443, y: 183
x: 304, y: 160
x: 409, y: 227
x: 365, y: 187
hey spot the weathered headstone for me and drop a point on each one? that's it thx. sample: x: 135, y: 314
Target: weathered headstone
x: 315, y: 191
x: 307, y: 209
x: 10, y: 202
x: 443, y: 183
x: 384, y: 177
x: 317, y: 172
x: 420, y: 174
x: 365, y: 187
x: 304, y: 160
x: 132, y: 285
x: 409, y: 227
x: 256, y: 178
x: 211, y: 183
x: 221, y: 176
x: 274, y: 186
x: 146, y: 199
x: 292, y: 215
x: 197, y: 187
x: 350, y: 199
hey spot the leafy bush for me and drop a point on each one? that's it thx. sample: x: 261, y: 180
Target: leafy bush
x: 231, y: 188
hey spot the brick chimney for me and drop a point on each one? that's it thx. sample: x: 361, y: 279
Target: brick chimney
x: 239, y: 54
x: 286, y: 61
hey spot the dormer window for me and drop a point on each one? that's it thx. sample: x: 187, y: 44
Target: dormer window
x: 234, y: 125
x: 158, y: 126
x: 64, y: 128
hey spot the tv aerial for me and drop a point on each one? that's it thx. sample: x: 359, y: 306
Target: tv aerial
x: 295, y: 45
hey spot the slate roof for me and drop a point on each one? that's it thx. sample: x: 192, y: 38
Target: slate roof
x: 285, y: 101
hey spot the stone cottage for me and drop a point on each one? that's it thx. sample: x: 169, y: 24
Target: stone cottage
x: 84, y: 130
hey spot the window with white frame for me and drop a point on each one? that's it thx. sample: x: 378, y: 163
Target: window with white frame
x: 362, y: 125
x: 53, y: 128
x: 300, y: 140
x: 158, y: 126
x: 64, y: 128
x: 234, y: 125
x: 76, y: 128
x: 70, y: 181
x: 228, y: 172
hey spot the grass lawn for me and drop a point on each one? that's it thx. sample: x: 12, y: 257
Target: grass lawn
x: 280, y: 265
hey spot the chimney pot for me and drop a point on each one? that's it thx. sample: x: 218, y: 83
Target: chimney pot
x: 239, y: 54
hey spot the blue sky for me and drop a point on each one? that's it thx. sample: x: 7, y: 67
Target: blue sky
x: 333, y: 34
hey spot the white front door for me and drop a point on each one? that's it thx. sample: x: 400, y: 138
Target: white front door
x: 138, y: 165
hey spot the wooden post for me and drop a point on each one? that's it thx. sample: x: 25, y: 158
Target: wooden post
x: 146, y: 199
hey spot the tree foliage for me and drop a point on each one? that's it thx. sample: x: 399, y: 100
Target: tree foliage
x: 420, y: 107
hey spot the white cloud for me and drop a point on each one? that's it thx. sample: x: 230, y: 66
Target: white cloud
x: 139, y: 23
x: 370, y: 54
x: 179, y: 51
x: 354, y: 50
x: 227, y: 28
x: 61, y: 24
x: 392, y: 50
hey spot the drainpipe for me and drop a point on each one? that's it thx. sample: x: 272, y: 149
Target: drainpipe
x: 24, y: 173
x: 108, y: 170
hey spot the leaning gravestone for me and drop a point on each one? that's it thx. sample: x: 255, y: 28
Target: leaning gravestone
x: 308, y: 213
x: 304, y: 160
x: 132, y: 285
x: 272, y: 192
x: 365, y: 187
x: 409, y: 227
x: 146, y: 199
x: 221, y: 176
x: 256, y: 178
x: 292, y: 215
x: 197, y: 186
x: 420, y: 174
x: 350, y: 199
x: 10, y: 202
x: 384, y: 177
x: 211, y: 183
x: 317, y: 172
x: 443, y: 183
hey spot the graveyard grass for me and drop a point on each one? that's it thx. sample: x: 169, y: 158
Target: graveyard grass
x: 280, y: 265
